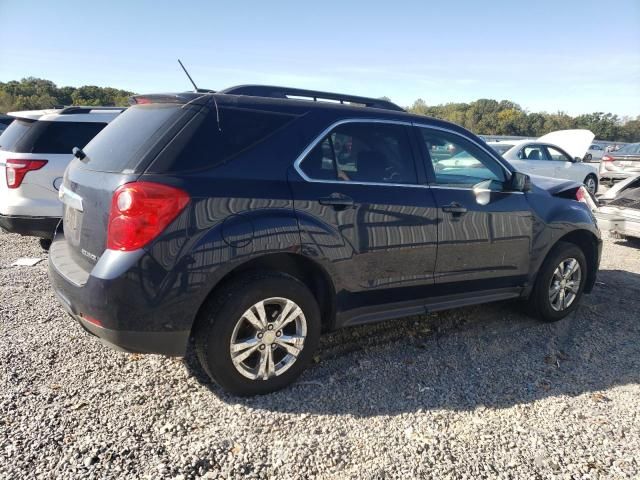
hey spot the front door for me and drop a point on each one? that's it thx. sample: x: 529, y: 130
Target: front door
x: 484, y: 231
x: 363, y: 213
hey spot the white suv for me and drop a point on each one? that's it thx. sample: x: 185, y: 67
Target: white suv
x: 34, y: 152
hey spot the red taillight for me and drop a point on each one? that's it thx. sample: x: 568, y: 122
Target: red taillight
x: 607, y: 158
x: 89, y: 319
x: 583, y: 195
x: 140, y: 211
x: 18, y: 168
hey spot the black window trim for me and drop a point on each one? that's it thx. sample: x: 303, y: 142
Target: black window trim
x: 326, y: 131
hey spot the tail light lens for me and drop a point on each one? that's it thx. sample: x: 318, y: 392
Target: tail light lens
x: 607, y: 158
x: 18, y: 168
x: 583, y: 195
x: 140, y: 211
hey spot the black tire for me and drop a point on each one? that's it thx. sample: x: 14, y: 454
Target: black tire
x: 539, y: 303
x: 588, y: 157
x: 222, y: 312
x: 45, y: 243
x: 595, y: 182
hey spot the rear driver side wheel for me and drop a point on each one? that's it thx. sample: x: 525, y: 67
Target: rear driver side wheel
x: 258, y: 334
x: 560, y: 283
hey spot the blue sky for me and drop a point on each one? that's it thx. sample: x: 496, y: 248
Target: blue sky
x: 570, y: 55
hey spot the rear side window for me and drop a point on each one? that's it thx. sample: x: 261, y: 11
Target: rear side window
x: 363, y: 152
x: 53, y: 137
x: 15, y: 132
x: 210, y: 143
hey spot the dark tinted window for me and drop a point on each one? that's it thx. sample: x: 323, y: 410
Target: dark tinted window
x: 119, y: 147
x: 57, y: 137
x: 209, y: 143
x: 363, y: 152
x: 14, y: 132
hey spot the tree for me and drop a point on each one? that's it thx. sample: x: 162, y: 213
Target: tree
x: 35, y: 93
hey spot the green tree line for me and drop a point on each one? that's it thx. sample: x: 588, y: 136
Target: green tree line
x: 484, y: 116
x: 490, y: 117
x: 36, y: 93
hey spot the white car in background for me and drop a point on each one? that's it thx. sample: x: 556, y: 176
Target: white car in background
x: 595, y: 152
x: 35, y: 149
x: 557, y: 154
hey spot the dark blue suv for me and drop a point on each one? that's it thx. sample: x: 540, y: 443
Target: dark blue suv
x: 255, y: 218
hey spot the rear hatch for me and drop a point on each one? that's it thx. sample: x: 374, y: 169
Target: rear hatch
x: 118, y: 155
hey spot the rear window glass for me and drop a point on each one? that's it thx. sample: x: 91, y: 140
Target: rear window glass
x: 49, y: 137
x: 210, y: 144
x: 122, y: 145
x: 14, y: 132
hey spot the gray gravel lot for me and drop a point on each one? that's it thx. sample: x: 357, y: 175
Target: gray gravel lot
x: 471, y: 393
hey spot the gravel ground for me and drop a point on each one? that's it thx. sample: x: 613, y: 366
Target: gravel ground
x: 471, y: 393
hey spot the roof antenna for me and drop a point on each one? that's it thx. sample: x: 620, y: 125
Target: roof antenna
x: 195, y: 87
x: 197, y: 90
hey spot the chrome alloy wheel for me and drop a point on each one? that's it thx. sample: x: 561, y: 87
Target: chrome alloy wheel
x: 268, y: 338
x: 591, y: 185
x: 565, y: 284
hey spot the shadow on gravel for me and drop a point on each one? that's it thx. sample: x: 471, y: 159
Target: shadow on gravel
x: 487, y: 356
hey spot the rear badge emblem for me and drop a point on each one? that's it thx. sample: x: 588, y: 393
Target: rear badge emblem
x: 89, y: 255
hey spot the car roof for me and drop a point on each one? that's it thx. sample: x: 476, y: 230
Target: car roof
x: 71, y: 114
x: 261, y: 97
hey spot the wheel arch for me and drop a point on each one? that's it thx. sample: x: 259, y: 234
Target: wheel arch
x: 304, y: 269
x: 589, y: 244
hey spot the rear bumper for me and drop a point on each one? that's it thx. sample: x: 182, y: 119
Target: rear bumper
x: 614, y: 176
x: 127, y: 319
x: 43, y: 227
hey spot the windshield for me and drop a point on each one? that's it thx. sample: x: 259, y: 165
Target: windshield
x: 631, y: 149
x: 500, y: 147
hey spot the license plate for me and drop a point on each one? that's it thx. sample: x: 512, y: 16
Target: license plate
x: 71, y: 225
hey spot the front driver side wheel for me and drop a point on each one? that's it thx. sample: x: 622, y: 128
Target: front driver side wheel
x: 591, y: 182
x: 258, y: 333
x: 560, y: 283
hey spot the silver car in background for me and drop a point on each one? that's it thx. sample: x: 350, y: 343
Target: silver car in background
x: 621, y: 164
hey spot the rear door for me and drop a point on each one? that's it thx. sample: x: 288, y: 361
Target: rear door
x: 363, y: 211
x: 484, y: 231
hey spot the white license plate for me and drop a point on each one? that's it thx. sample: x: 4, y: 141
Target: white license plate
x: 71, y: 224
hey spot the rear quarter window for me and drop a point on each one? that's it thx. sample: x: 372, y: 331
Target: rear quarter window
x: 15, y: 132
x: 209, y: 142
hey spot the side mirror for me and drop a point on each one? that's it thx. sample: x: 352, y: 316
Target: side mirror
x: 576, y: 159
x: 520, y: 182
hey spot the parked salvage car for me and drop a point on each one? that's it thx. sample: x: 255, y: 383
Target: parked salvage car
x: 251, y: 221
x: 34, y: 151
x: 557, y: 154
x: 595, y: 152
x: 620, y: 209
x: 620, y: 164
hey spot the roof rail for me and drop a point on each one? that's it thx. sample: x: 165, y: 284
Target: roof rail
x: 286, y: 92
x: 87, y: 109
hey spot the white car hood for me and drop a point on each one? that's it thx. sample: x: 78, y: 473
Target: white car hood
x: 574, y: 142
